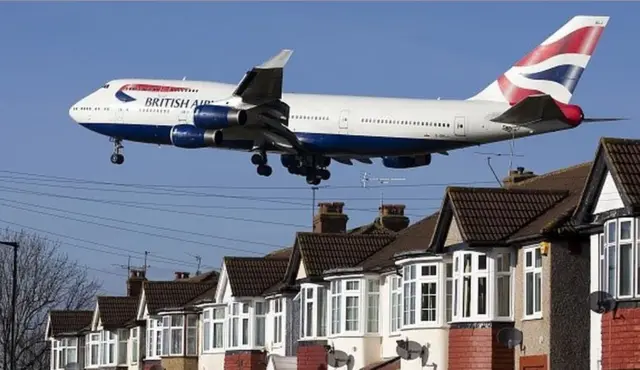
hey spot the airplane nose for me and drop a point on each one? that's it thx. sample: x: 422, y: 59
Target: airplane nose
x: 73, y: 113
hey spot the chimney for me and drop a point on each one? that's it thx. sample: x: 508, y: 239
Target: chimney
x: 330, y: 218
x: 392, y: 217
x: 516, y: 176
x: 134, y: 283
x: 181, y: 275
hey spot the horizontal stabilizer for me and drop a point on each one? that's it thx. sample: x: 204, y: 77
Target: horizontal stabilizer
x: 532, y: 109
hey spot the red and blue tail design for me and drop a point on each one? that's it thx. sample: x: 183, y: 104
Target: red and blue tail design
x: 553, y: 68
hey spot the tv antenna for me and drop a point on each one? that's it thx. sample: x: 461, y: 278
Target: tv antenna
x: 365, y: 179
x: 510, y: 337
x: 128, y: 266
x: 411, y: 350
x: 198, y: 261
x: 602, y: 302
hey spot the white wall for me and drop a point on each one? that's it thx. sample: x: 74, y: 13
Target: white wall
x: 388, y: 347
x: 365, y: 350
x: 609, y: 197
x: 437, y: 341
x: 211, y: 361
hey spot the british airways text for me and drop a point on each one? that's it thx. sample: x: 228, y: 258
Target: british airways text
x: 175, y: 102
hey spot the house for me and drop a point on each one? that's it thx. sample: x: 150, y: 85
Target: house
x: 608, y: 213
x: 66, y: 333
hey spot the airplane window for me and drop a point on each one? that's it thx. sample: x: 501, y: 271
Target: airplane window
x: 105, y: 86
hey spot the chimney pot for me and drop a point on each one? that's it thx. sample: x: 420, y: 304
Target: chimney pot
x: 181, y: 275
x: 134, y: 283
x: 392, y: 217
x: 517, y: 175
x: 330, y: 218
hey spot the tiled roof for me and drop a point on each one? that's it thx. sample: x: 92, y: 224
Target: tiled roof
x: 321, y: 252
x: 172, y: 294
x: 623, y: 157
x: 63, y: 322
x: 280, y: 253
x: 415, y: 237
x: 494, y: 214
x: 252, y: 276
x: 211, y: 276
x: 374, y: 228
x: 115, y: 312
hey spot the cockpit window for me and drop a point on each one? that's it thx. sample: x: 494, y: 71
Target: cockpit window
x: 106, y: 86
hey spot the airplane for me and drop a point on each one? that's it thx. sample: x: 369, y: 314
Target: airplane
x: 308, y: 131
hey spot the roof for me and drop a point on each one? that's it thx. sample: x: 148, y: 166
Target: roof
x: 210, y: 276
x: 373, y: 228
x: 415, y: 237
x: 68, y: 321
x: 172, y: 294
x: 252, y: 276
x: 322, y: 252
x: 623, y: 158
x: 280, y: 253
x: 115, y: 312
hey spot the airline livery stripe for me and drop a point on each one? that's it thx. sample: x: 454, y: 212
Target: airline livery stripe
x: 566, y: 75
x: 513, y: 93
x: 581, y: 41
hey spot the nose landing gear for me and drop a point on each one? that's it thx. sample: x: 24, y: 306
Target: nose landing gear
x: 117, y: 157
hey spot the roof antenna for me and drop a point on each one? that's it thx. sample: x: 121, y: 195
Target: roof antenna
x: 313, y: 204
x: 364, y: 179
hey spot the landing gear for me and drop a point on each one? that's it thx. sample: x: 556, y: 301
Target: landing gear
x: 117, y: 157
x: 260, y: 160
x: 311, y: 167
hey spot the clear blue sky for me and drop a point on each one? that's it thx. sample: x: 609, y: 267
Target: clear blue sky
x: 53, y: 54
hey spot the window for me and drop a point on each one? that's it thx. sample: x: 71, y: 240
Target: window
x: 532, y: 283
x: 134, y: 346
x: 107, y: 347
x: 336, y: 290
x: 313, y: 308
x: 260, y: 323
x: 619, y: 252
x: 448, y: 291
x: 239, y: 324
x: 429, y: 293
x: 472, y: 274
x: 93, y: 349
x: 172, y: 335
x: 373, y: 305
x: 503, y: 285
x: 420, y: 281
x: 396, y: 303
x: 123, y: 342
x: 277, y: 319
x: 64, y: 352
x: 192, y: 335
x: 213, y: 328
x: 154, y: 338
x: 352, y: 305
x: 409, y: 287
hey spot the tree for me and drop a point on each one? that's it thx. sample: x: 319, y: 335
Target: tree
x: 47, y: 280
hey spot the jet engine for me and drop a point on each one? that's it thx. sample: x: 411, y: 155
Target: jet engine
x: 213, y: 117
x: 191, y: 137
x: 407, y: 161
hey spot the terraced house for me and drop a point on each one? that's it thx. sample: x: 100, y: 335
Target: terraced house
x: 523, y: 257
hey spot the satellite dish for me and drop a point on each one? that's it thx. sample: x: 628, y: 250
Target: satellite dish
x: 410, y: 350
x: 337, y: 358
x: 601, y: 302
x: 510, y: 337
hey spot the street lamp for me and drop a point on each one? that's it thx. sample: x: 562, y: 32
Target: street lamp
x: 14, y: 295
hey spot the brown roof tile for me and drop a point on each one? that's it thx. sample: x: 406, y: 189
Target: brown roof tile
x: 252, y: 276
x: 211, y: 276
x: 623, y: 157
x: 374, y: 228
x: 322, y: 252
x: 415, y: 237
x: 115, y: 312
x: 66, y: 322
x: 172, y: 294
x: 494, y: 214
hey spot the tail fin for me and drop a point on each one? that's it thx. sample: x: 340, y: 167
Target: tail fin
x: 553, y: 68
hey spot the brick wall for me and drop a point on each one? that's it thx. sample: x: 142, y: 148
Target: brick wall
x: 621, y: 339
x: 148, y: 365
x: 180, y: 363
x: 245, y: 360
x: 474, y: 346
x: 312, y: 355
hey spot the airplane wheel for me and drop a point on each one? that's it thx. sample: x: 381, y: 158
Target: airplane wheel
x: 258, y: 159
x: 292, y: 170
x: 264, y: 170
x: 117, y: 158
x: 324, y: 174
x: 316, y: 182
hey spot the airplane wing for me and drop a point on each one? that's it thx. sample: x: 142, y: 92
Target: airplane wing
x: 263, y: 83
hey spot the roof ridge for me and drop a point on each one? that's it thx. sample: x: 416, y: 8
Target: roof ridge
x: 550, y: 174
x: 505, y: 190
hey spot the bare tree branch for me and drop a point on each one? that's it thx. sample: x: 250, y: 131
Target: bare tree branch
x: 47, y: 280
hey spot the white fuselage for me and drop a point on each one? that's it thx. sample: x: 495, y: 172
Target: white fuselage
x: 325, y: 124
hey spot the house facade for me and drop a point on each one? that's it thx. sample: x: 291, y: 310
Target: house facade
x: 66, y: 334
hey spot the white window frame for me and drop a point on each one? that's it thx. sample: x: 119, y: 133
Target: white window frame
x: 108, y: 340
x: 154, y: 339
x: 395, y: 292
x: 352, y: 293
x: 191, y: 335
x: 135, y: 345
x: 260, y: 309
x: 239, y: 321
x: 93, y: 341
x: 277, y: 307
x: 504, y: 259
x: 173, y: 326
x: 449, y: 282
x: 123, y: 346
x: 373, y: 306
x: 610, y: 243
x: 409, y: 294
x: 536, y: 272
x: 213, y: 323
x: 314, y: 296
x: 61, y: 351
x: 416, y: 277
x: 336, y: 307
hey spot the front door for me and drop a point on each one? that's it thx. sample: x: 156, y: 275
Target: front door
x: 343, y: 124
x: 459, y: 126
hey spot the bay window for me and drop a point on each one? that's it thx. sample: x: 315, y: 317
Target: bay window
x: 313, y: 308
x: 619, y: 257
x: 420, y: 281
x: 93, y: 349
x: 179, y: 332
x: 64, y: 352
x: 239, y: 324
x: 213, y: 328
x: 352, y: 305
x: 134, y: 345
x: 503, y: 285
x: 154, y: 338
x: 123, y: 342
x: 107, y: 348
x: 373, y: 305
x: 395, y: 286
x: 448, y: 291
x: 277, y: 308
x: 260, y: 323
x: 532, y: 283
x: 192, y: 335
x: 409, y: 295
x: 336, y: 300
